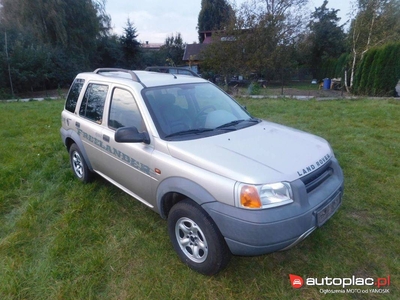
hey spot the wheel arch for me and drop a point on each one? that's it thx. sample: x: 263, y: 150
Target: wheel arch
x: 176, y: 189
x: 71, y: 137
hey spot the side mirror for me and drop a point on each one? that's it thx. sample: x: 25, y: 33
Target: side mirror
x: 131, y: 135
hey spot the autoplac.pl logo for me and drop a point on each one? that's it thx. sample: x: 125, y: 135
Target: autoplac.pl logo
x: 296, y: 281
x: 351, y: 284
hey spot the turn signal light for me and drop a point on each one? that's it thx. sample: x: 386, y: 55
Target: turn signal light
x: 249, y: 197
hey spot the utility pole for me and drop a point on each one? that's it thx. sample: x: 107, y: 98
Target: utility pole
x: 8, y: 64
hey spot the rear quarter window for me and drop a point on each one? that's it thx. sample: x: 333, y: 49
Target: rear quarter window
x: 73, y: 94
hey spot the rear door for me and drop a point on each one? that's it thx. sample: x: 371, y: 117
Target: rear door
x: 89, y: 125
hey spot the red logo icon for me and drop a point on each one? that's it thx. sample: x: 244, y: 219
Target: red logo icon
x: 297, y: 281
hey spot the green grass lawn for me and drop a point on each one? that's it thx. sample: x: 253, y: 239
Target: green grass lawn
x: 60, y: 239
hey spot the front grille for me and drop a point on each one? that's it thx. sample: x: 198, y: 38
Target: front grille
x: 315, y: 179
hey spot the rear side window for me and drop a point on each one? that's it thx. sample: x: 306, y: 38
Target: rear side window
x: 73, y: 95
x: 93, y: 102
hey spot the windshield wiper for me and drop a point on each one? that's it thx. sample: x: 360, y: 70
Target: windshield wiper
x: 190, y: 131
x: 229, y: 124
x: 236, y: 122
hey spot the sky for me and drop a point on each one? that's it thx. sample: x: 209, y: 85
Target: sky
x: 155, y: 20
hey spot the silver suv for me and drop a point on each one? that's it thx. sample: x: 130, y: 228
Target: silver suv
x: 227, y: 182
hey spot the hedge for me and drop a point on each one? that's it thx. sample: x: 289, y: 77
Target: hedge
x: 379, y: 72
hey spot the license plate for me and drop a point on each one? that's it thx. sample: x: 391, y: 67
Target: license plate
x: 326, y: 212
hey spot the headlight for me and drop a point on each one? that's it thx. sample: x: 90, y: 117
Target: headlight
x: 265, y: 196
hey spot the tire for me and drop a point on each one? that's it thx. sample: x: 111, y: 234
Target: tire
x: 79, y: 165
x: 197, y: 239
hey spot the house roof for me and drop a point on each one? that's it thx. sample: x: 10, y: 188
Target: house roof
x: 193, y: 52
x: 151, y: 46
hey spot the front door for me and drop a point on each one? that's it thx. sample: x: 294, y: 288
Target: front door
x: 126, y: 164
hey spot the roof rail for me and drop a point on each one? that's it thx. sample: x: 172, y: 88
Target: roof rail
x: 103, y: 70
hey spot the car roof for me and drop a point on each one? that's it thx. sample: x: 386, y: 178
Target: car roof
x: 145, y: 78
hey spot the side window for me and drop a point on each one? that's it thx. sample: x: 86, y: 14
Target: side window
x: 124, y: 111
x: 93, y: 102
x: 73, y: 94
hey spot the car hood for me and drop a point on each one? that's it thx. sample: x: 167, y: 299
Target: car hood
x: 266, y: 152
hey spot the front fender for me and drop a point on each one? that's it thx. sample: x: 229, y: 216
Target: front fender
x: 182, y: 186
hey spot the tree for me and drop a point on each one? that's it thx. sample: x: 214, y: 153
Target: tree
x: 214, y: 15
x: 260, y: 39
x: 327, y: 38
x: 130, y: 46
x: 224, y: 56
x: 379, y: 71
x: 52, y: 40
x: 173, y: 50
x: 57, y: 22
x: 376, y: 23
x: 109, y: 52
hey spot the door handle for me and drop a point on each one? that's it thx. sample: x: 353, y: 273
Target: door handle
x: 106, y: 138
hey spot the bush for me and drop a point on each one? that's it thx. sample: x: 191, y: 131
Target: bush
x: 254, y: 88
x: 379, y: 71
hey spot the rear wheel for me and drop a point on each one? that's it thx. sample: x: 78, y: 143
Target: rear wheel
x: 79, y: 165
x: 197, y: 239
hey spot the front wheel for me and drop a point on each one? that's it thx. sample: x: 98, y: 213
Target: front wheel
x: 197, y: 239
x: 79, y: 165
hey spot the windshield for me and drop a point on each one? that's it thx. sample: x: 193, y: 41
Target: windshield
x: 190, y: 111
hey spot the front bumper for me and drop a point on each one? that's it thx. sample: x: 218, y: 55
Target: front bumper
x: 256, y: 232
